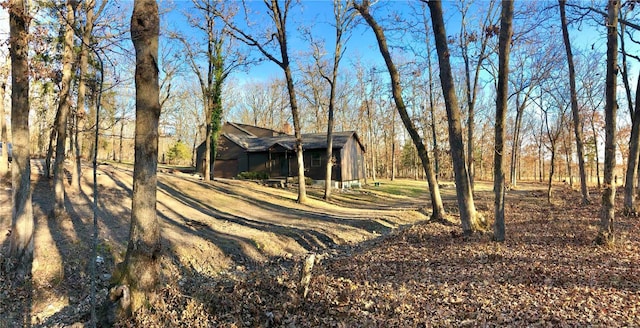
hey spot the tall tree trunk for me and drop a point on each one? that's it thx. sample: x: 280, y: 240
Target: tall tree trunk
x: 433, y: 116
x: 634, y: 147
x: 372, y: 148
x: 47, y: 160
x: 506, y: 31
x: 4, y: 157
x: 82, y: 86
x: 431, y: 97
x: 516, y: 142
x: 575, y: 110
x: 141, y: 265
x: 342, y: 23
x: 63, y: 110
x: 22, y: 223
x: 302, y: 189
x: 471, y: 91
x: 396, y: 89
x: 121, y: 136
x: 606, y: 232
x: 279, y: 18
x: 470, y: 219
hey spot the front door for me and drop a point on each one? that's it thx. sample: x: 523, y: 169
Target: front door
x: 284, y: 164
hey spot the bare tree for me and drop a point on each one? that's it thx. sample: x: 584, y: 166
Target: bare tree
x: 504, y: 47
x: 553, y: 131
x: 396, y: 89
x: 529, y: 69
x: 64, y: 106
x: 343, y: 21
x: 471, y: 86
x: 606, y: 233
x: 141, y: 270
x: 471, y: 220
x: 86, y: 33
x: 22, y: 222
x: 575, y: 111
x: 278, y: 13
x: 220, y: 61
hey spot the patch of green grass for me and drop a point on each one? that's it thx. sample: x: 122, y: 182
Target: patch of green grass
x: 407, y: 188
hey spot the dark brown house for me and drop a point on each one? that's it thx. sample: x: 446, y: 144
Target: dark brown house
x: 247, y: 148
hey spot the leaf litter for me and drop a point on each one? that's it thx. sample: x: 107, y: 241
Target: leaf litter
x: 548, y: 273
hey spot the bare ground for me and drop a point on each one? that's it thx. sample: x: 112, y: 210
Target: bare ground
x: 209, y: 228
x: 232, y: 254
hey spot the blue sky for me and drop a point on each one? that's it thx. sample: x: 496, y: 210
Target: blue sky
x: 318, y: 15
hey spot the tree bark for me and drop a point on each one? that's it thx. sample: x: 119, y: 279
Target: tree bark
x: 634, y: 148
x: 575, y: 111
x: 595, y: 146
x: 279, y: 18
x: 470, y: 219
x: 4, y: 157
x: 141, y: 265
x: 22, y: 222
x: 59, y: 176
x: 516, y: 142
x: 82, y: 87
x: 632, y: 161
x: 504, y: 48
x: 606, y: 232
x: 438, y: 213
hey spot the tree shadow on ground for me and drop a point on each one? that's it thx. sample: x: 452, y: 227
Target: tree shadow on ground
x: 288, y: 216
x: 358, y: 221
x: 309, y: 239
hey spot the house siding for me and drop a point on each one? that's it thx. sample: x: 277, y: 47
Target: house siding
x: 352, y: 164
x: 244, y: 148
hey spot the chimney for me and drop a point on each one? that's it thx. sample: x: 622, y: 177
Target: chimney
x: 286, y: 128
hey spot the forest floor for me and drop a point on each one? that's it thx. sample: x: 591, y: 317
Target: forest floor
x: 232, y: 253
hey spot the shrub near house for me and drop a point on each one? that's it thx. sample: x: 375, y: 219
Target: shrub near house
x: 179, y: 153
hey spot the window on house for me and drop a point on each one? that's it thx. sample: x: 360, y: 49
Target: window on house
x: 316, y: 160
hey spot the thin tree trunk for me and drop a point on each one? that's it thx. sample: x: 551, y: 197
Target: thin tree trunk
x: 470, y: 219
x: 506, y: 31
x: 433, y: 116
x: 567, y: 156
x: 342, y: 22
x: 22, y: 222
x: 516, y: 143
x: 431, y: 102
x: 595, y: 145
x: 141, y: 265
x: 606, y: 232
x: 121, y: 136
x: 577, y: 122
x: 438, y: 213
x: 4, y: 157
x: 63, y: 111
x: 552, y: 167
x: 82, y: 81
x: 632, y: 161
x: 374, y: 164
x: 47, y: 160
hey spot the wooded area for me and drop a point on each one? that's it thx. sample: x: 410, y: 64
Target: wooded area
x: 516, y: 95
